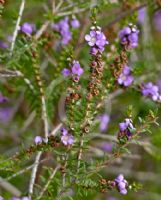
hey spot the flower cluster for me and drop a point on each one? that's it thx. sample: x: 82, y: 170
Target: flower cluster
x: 96, y: 40
x: 152, y: 91
x: 75, y: 70
x: 126, y: 128
x: 104, y: 121
x: 66, y: 138
x: 63, y: 27
x: 27, y: 28
x: 121, y: 184
x: 125, y: 77
x: 129, y: 36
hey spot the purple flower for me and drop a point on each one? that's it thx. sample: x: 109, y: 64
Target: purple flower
x: 64, y: 131
x: 152, y: 91
x: 3, y: 99
x: 129, y: 36
x: 65, y: 72
x: 106, y: 146
x: 1, y: 198
x: 66, y: 37
x: 123, y: 191
x: 38, y: 140
x: 25, y: 198
x: 27, y: 28
x: 97, y: 40
x: 5, y: 114
x: 119, y: 178
x: 125, y: 78
x: 121, y: 184
x: 66, y: 138
x: 126, y: 124
x: 104, y: 121
x: 75, y: 23
x: 3, y: 45
x: 76, y: 68
x: 157, y: 21
x: 141, y: 15
x: 63, y: 27
x: 93, y: 51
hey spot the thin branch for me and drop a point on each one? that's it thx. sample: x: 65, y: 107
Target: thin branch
x: 56, y: 129
x: 22, y: 6
x: 33, y: 175
x: 23, y: 170
x: 9, y: 187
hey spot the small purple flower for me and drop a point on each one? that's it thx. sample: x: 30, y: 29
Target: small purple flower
x: 106, y: 146
x: 75, y: 23
x: 126, y: 124
x: 129, y: 36
x: 119, y: 178
x: 121, y: 184
x: 63, y: 28
x: 76, y: 68
x: 64, y: 131
x: 63, y: 25
x: 66, y: 72
x: 141, y: 15
x: 3, y: 45
x: 66, y: 138
x: 66, y: 37
x: 27, y: 28
x: 25, y: 198
x: 157, y: 21
x: 152, y: 91
x: 38, y: 140
x: 1, y: 198
x: 3, y: 99
x: 97, y: 40
x: 5, y: 114
x: 93, y: 51
x: 104, y: 121
x: 123, y: 191
x: 125, y: 78
x: 91, y: 38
